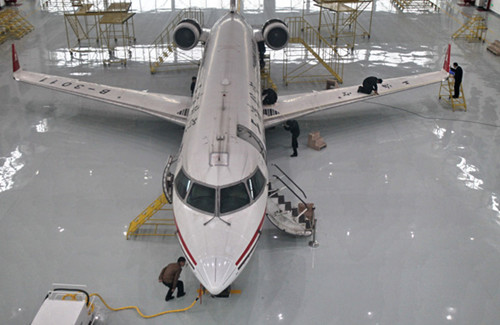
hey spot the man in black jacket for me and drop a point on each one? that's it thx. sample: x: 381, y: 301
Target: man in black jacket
x: 293, y: 127
x: 369, y: 85
x: 458, y: 78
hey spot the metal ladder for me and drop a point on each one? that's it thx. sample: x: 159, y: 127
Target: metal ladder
x: 145, y: 218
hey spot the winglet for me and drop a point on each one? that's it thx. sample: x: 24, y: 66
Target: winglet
x: 15, y: 60
x: 446, y: 65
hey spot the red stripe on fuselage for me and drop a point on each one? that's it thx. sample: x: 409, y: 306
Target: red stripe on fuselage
x: 183, y: 243
x: 252, y: 241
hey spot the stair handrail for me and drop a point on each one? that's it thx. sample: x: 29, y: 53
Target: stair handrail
x: 291, y: 180
x: 290, y: 189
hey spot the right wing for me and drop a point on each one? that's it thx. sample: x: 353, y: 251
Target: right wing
x: 294, y: 106
x: 172, y: 108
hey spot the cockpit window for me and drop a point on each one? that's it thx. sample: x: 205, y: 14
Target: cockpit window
x: 255, y: 184
x: 202, y: 197
x: 182, y: 184
x: 233, y: 197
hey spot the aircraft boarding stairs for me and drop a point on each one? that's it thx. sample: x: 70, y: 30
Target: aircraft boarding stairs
x: 297, y: 221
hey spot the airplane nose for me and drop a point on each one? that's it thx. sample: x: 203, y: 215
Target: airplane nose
x: 217, y: 273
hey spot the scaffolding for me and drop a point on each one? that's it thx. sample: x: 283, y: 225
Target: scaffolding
x: 415, y: 5
x: 13, y: 25
x: 308, y: 50
x: 340, y: 20
x: 104, y: 22
x: 474, y: 29
x: 446, y: 91
x: 145, y: 225
x: 164, y: 54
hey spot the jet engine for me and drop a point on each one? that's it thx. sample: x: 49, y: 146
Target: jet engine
x: 187, y: 34
x: 275, y: 34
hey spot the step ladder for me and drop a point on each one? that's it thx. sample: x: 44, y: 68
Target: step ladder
x: 446, y: 91
x: 145, y: 225
x: 297, y: 221
x: 474, y: 29
x: 13, y: 25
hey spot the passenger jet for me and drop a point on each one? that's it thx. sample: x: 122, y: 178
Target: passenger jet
x: 219, y: 185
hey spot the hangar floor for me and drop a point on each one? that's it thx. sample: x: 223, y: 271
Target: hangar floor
x: 406, y: 190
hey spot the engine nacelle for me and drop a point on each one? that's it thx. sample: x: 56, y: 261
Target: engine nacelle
x: 187, y: 34
x: 275, y: 34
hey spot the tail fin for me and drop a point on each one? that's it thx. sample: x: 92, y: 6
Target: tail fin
x: 446, y: 65
x: 15, y: 60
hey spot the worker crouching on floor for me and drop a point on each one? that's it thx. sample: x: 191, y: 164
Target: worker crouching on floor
x: 169, y: 276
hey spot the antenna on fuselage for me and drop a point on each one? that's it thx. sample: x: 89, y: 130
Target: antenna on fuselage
x: 233, y: 6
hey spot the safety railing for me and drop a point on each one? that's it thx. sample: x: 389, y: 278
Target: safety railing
x: 163, y: 46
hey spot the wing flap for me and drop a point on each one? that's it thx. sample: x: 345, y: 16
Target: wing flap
x: 294, y: 106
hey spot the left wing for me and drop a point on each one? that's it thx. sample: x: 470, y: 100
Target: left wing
x: 293, y: 106
x: 172, y: 108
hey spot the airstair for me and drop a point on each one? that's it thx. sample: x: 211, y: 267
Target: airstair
x: 163, y: 52
x: 446, y: 91
x: 145, y: 224
x: 297, y: 221
x: 13, y: 25
x: 474, y: 29
x: 310, y: 48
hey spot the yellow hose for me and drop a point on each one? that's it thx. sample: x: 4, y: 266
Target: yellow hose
x: 140, y: 313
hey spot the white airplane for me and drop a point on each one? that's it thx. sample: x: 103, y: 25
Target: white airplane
x: 219, y: 191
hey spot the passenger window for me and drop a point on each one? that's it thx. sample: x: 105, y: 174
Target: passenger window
x: 255, y: 184
x: 202, y: 198
x: 182, y: 184
x: 233, y: 197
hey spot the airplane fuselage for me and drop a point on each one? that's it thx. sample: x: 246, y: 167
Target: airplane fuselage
x: 220, y: 187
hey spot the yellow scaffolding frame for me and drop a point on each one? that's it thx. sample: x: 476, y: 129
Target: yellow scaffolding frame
x: 446, y: 93
x: 473, y: 29
x: 164, y: 47
x: 102, y: 21
x: 145, y: 218
x: 313, y: 50
x: 12, y: 24
x: 342, y: 22
x: 414, y: 5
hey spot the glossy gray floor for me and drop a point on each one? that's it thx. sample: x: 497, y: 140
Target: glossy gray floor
x: 407, y: 191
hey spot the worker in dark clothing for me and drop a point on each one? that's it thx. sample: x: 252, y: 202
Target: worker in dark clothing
x: 169, y: 276
x: 458, y: 73
x: 293, y: 127
x: 369, y: 85
x: 193, y: 84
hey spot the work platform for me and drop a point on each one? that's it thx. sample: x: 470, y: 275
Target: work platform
x: 446, y: 91
x: 107, y: 23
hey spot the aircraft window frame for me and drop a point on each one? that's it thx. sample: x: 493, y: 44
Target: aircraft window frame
x: 247, y: 135
x: 202, y: 203
x: 191, y: 184
x: 250, y: 181
x: 233, y: 206
x: 187, y: 185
